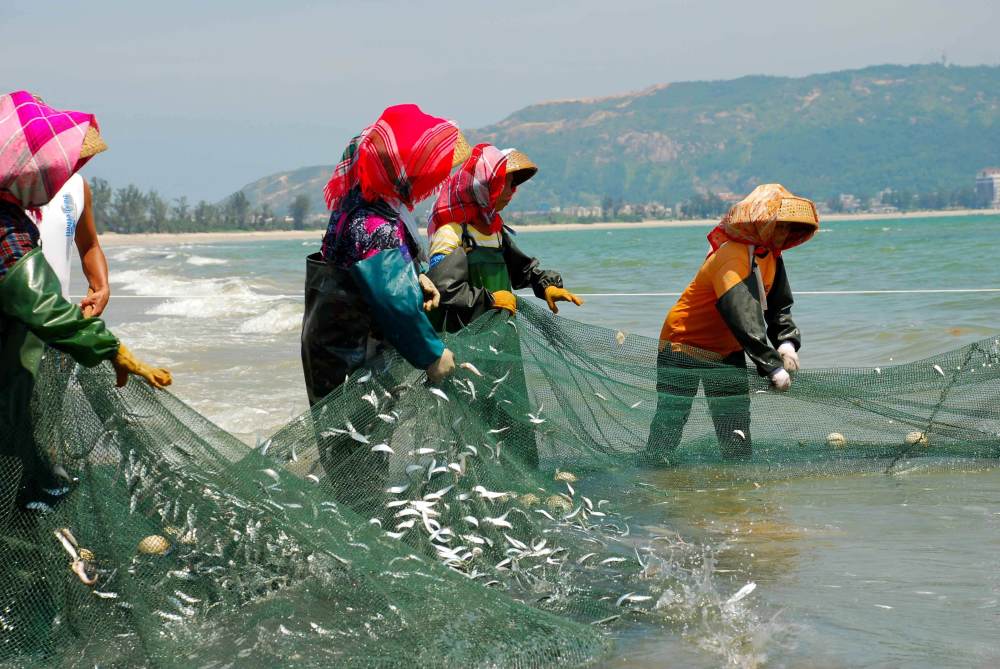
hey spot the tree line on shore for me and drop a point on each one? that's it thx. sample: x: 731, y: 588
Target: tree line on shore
x: 711, y: 205
x: 130, y: 210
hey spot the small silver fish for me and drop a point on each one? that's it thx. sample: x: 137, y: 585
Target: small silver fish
x: 397, y: 489
x: 440, y: 393
x: 499, y: 521
x: 383, y: 448
x: 937, y: 368
x: 632, y: 597
x: 741, y: 593
x: 472, y: 368
x: 355, y: 435
x: 488, y: 494
x: 187, y: 598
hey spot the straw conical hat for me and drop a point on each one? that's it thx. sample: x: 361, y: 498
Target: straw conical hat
x: 462, y: 151
x: 92, y: 143
x: 520, y: 165
x: 762, y: 216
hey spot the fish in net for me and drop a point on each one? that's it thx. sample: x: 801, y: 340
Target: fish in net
x: 496, y: 520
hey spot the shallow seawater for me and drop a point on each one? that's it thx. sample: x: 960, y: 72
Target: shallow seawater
x: 857, y: 569
x: 863, y: 570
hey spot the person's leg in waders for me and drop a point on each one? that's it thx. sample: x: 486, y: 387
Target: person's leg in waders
x: 336, y: 341
x: 727, y: 388
x: 677, y: 379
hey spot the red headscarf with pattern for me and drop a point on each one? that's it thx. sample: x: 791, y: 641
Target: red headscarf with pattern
x: 470, y: 194
x: 404, y: 156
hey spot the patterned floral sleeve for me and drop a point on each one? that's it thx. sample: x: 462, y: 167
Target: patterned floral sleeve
x: 364, y: 233
x: 18, y: 235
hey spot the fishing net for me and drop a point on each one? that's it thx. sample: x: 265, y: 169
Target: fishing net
x: 499, y: 520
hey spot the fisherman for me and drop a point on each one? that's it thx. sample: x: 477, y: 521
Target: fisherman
x: 42, y: 148
x: 364, y: 289
x: 66, y: 221
x: 474, y: 262
x: 739, y: 305
x: 476, y: 265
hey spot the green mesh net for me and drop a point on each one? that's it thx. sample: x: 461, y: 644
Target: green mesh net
x: 495, y: 521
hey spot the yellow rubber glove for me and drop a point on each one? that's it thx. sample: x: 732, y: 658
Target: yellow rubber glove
x: 503, y: 299
x: 125, y: 363
x: 554, y: 294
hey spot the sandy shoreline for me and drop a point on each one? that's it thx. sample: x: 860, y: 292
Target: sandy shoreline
x: 111, y: 239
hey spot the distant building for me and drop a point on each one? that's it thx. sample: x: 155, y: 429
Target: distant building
x: 849, y: 202
x: 988, y: 186
x: 584, y: 212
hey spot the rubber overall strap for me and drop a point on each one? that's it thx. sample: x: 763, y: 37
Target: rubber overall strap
x: 760, y: 279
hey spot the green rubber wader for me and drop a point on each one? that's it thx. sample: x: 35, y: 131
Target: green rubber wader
x: 488, y: 269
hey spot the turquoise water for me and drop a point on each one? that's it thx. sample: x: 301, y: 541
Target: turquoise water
x: 861, y: 570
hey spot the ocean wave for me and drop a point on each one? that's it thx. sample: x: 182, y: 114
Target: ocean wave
x: 282, y: 318
x: 131, y: 253
x: 202, y: 261
x: 193, y: 298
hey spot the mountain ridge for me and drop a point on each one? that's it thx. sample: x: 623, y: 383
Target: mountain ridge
x: 915, y: 127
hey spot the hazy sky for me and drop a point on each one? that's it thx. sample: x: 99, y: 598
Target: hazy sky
x: 202, y: 97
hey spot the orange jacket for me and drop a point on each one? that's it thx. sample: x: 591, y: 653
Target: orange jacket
x: 722, y: 312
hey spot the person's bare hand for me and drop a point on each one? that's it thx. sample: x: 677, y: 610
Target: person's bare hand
x: 432, y: 297
x: 96, y: 301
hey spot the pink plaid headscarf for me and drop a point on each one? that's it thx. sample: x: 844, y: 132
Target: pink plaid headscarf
x: 39, y: 148
x: 470, y: 194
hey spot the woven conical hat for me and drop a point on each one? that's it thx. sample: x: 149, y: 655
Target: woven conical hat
x: 93, y: 143
x: 761, y: 218
x: 520, y: 165
x: 462, y: 151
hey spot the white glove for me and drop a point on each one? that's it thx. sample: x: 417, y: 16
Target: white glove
x: 781, y: 380
x: 789, y: 357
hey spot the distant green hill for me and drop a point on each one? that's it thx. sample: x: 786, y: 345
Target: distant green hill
x: 278, y: 190
x: 917, y: 128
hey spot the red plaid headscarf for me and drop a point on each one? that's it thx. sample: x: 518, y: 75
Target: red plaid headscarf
x: 470, y: 194
x: 39, y: 148
x: 403, y: 156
